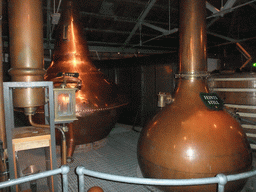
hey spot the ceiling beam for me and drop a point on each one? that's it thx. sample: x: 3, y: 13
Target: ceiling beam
x: 211, y: 8
x: 144, y: 4
x: 164, y: 31
x: 229, y: 4
x: 253, y: 6
x: 119, y: 18
x: 223, y: 11
x: 222, y: 36
x: 109, y: 47
x: 159, y: 36
x: 126, y: 50
x: 116, y: 31
x: 212, y: 22
x: 140, y: 19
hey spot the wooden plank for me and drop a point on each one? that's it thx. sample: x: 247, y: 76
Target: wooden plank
x: 21, y: 145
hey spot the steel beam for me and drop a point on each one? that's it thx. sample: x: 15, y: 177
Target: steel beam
x: 140, y: 19
x: 211, y: 8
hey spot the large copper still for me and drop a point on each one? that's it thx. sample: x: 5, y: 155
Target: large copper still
x: 97, y: 99
x: 187, y: 139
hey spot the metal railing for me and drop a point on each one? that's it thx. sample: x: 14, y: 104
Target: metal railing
x: 62, y: 170
x: 220, y: 179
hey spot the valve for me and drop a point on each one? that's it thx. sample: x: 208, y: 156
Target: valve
x: 164, y: 98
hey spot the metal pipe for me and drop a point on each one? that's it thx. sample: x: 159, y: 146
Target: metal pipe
x: 64, y: 145
x: 192, y: 30
x: 220, y: 179
x: 35, y: 124
x: 48, y: 27
x: 71, y: 142
x: 64, y: 152
x: 26, y: 51
x: 2, y: 125
x: 3, y: 157
x: 63, y: 170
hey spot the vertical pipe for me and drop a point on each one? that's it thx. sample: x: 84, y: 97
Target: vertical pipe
x: 49, y: 36
x: 2, y: 120
x: 2, y: 124
x: 65, y: 170
x: 192, y: 37
x: 26, y: 50
x: 64, y: 152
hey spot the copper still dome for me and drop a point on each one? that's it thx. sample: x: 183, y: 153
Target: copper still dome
x: 187, y: 139
x: 97, y: 98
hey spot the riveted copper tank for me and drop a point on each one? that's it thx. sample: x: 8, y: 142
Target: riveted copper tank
x: 187, y: 139
x: 97, y: 99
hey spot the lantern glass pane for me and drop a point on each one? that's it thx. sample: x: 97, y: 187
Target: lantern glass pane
x: 64, y: 104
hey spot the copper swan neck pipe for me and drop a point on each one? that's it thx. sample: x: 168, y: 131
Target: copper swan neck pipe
x: 192, y: 29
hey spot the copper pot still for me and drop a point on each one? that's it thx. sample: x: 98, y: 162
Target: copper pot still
x: 97, y: 99
x: 187, y: 139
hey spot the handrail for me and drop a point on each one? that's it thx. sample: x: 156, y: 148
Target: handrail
x: 63, y: 170
x: 220, y: 179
